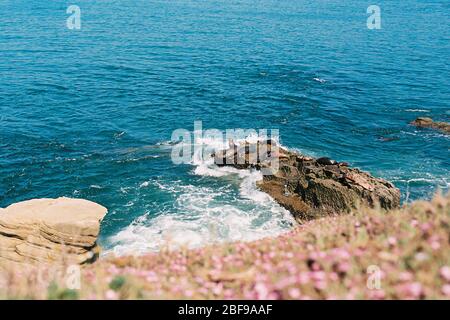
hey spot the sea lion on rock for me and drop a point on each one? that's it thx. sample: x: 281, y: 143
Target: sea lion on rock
x: 312, y: 188
x: 326, y: 161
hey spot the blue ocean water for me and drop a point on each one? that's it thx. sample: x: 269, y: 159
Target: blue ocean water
x: 88, y: 113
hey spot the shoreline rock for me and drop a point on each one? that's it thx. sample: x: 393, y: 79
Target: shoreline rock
x: 424, y: 122
x: 310, y: 188
x: 50, y: 231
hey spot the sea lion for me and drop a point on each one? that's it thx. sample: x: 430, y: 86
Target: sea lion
x: 326, y: 161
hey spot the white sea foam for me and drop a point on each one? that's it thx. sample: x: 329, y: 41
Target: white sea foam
x: 144, y: 184
x: 417, y: 110
x: 439, y: 182
x: 200, y: 216
x: 204, y: 215
x: 320, y: 80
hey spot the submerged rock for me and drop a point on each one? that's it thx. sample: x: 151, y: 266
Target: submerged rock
x: 44, y: 231
x: 311, y: 188
x: 424, y: 122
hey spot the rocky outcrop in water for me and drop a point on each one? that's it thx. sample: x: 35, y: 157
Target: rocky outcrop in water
x: 44, y: 231
x: 309, y: 187
x: 424, y: 122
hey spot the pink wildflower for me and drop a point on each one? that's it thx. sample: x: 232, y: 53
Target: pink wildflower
x: 392, y: 241
x: 320, y: 285
x: 377, y: 294
x: 261, y: 290
x: 111, y: 295
x: 217, y: 290
x: 318, y: 275
x: 333, y: 276
x: 412, y: 290
x: 446, y: 290
x: 445, y: 273
x: 188, y: 293
x: 303, y: 278
x: 435, y: 245
x: 344, y: 267
x: 405, y: 276
x: 294, y: 293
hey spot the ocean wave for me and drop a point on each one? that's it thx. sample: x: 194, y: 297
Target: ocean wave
x: 412, y: 185
x: 319, y: 80
x: 147, y: 157
x: 417, y: 110
x: 203, y: 215
x: 201, y: 219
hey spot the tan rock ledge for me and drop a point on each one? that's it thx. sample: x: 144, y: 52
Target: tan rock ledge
x: 50, y: 231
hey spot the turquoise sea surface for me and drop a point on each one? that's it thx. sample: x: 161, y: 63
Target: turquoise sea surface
x: 89, y: 113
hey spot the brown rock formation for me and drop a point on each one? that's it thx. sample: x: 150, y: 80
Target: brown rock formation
x: 43, y: 231
x: 424, y: 122
x: 310, y: 188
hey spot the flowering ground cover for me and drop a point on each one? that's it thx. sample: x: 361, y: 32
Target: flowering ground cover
x: 369, y: 254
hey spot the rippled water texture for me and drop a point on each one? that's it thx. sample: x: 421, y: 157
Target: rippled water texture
x: 86, y: 113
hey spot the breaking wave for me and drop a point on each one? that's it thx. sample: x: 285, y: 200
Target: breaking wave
x: 233, y: 211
